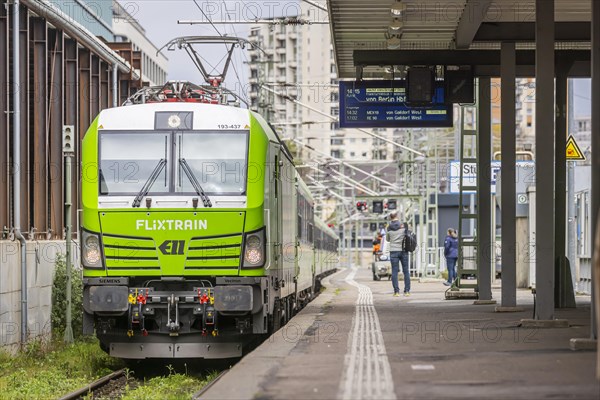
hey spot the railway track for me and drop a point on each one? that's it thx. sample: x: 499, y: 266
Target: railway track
x: 108, y: 386
x: 113, y: 385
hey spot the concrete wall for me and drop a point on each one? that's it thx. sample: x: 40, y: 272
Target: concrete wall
x: 522, y: 236
x: 41, y: 257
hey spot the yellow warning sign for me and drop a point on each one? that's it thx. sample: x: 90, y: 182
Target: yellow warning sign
x: 573, y: 151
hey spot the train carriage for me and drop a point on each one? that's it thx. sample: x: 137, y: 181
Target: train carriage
x: 326, y: 248
x: 192, y: 237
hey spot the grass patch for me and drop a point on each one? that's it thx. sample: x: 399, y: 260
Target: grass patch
x: 172, y: 387
x: 59, y: 299
x: 47, y: 371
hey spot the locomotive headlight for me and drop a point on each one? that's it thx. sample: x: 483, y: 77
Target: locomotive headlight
x: 253, y: 256
x: 254, y: 249
x: 253, y: 242
x: 90, y: 250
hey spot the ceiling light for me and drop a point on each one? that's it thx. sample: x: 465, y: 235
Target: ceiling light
x: 393, y: 43
x: 396, y: 27
x: 398, y: 9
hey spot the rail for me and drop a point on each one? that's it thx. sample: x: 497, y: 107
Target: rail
x: 94, y: 385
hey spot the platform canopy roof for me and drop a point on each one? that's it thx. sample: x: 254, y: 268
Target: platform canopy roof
x: 364, y: 25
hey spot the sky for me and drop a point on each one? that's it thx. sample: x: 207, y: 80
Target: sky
x: 159, y: 18
x: 582, y: 89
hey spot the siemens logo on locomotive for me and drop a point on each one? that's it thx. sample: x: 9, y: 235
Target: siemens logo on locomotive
x: 171, y: 224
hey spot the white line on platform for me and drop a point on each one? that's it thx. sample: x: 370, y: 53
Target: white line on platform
x: 424, y: 301
x: 367, y: 372
x: 422, y: 367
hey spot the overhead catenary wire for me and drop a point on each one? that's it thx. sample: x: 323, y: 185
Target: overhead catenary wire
x: 299, y: 123
x: 346, y: 164
x: 340, y: 177
x: 315, y: 4
x: 289, y: 98
x: 331, y: 192
x: 388, y: 163
x: 243, y: 53
x: 343, y: 178
x: 225, y: 44
x: 207, y: 18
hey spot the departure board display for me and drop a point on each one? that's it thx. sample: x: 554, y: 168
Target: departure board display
x: 382, y: 104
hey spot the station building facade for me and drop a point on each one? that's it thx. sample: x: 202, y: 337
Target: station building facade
x: 64, y: 69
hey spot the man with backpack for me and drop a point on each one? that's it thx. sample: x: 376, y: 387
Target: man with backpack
x: 400, y: 240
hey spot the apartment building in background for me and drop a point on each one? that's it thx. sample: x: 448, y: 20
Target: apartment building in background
x: 275, y: 67
x: 301, y: 65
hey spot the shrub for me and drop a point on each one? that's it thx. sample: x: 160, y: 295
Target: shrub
x: 59, y: 299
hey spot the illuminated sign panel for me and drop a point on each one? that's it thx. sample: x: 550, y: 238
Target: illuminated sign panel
x: 382, y: 104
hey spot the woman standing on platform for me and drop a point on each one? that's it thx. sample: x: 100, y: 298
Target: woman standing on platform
x: 451, y: 254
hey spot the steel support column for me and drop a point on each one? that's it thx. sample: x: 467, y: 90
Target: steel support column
x: 561, y: 160
x: 56, y: 73
x: 595, y: 206
x: 84, y: 92
x: 4, y: 126
x: 104, y: 85
x: 508, y: 126
x: 563, y: 285
x: 123, y: 88
x: 544, y: 152
x: 25, y: 166
x: 114, y: 87
x: 39, y: 93
x: 486, y: 251
x: 94, y: 87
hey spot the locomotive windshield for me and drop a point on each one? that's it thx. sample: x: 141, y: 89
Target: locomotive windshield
x: 217, y: 160
x: 125, y: 165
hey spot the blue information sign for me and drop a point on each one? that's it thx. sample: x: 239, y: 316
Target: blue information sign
x: 382, y: 104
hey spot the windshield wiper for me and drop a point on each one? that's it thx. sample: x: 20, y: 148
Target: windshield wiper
x: 151, y: 179
x: 188, y: 171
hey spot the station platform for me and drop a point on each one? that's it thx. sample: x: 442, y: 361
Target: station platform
x: 357, y: 341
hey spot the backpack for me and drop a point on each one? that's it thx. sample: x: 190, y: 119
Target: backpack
x: 410, y: 241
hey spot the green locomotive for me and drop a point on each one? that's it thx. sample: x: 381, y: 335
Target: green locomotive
x: 197, y: 233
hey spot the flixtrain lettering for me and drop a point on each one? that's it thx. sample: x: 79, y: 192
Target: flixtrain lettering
x: 171, y: 224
